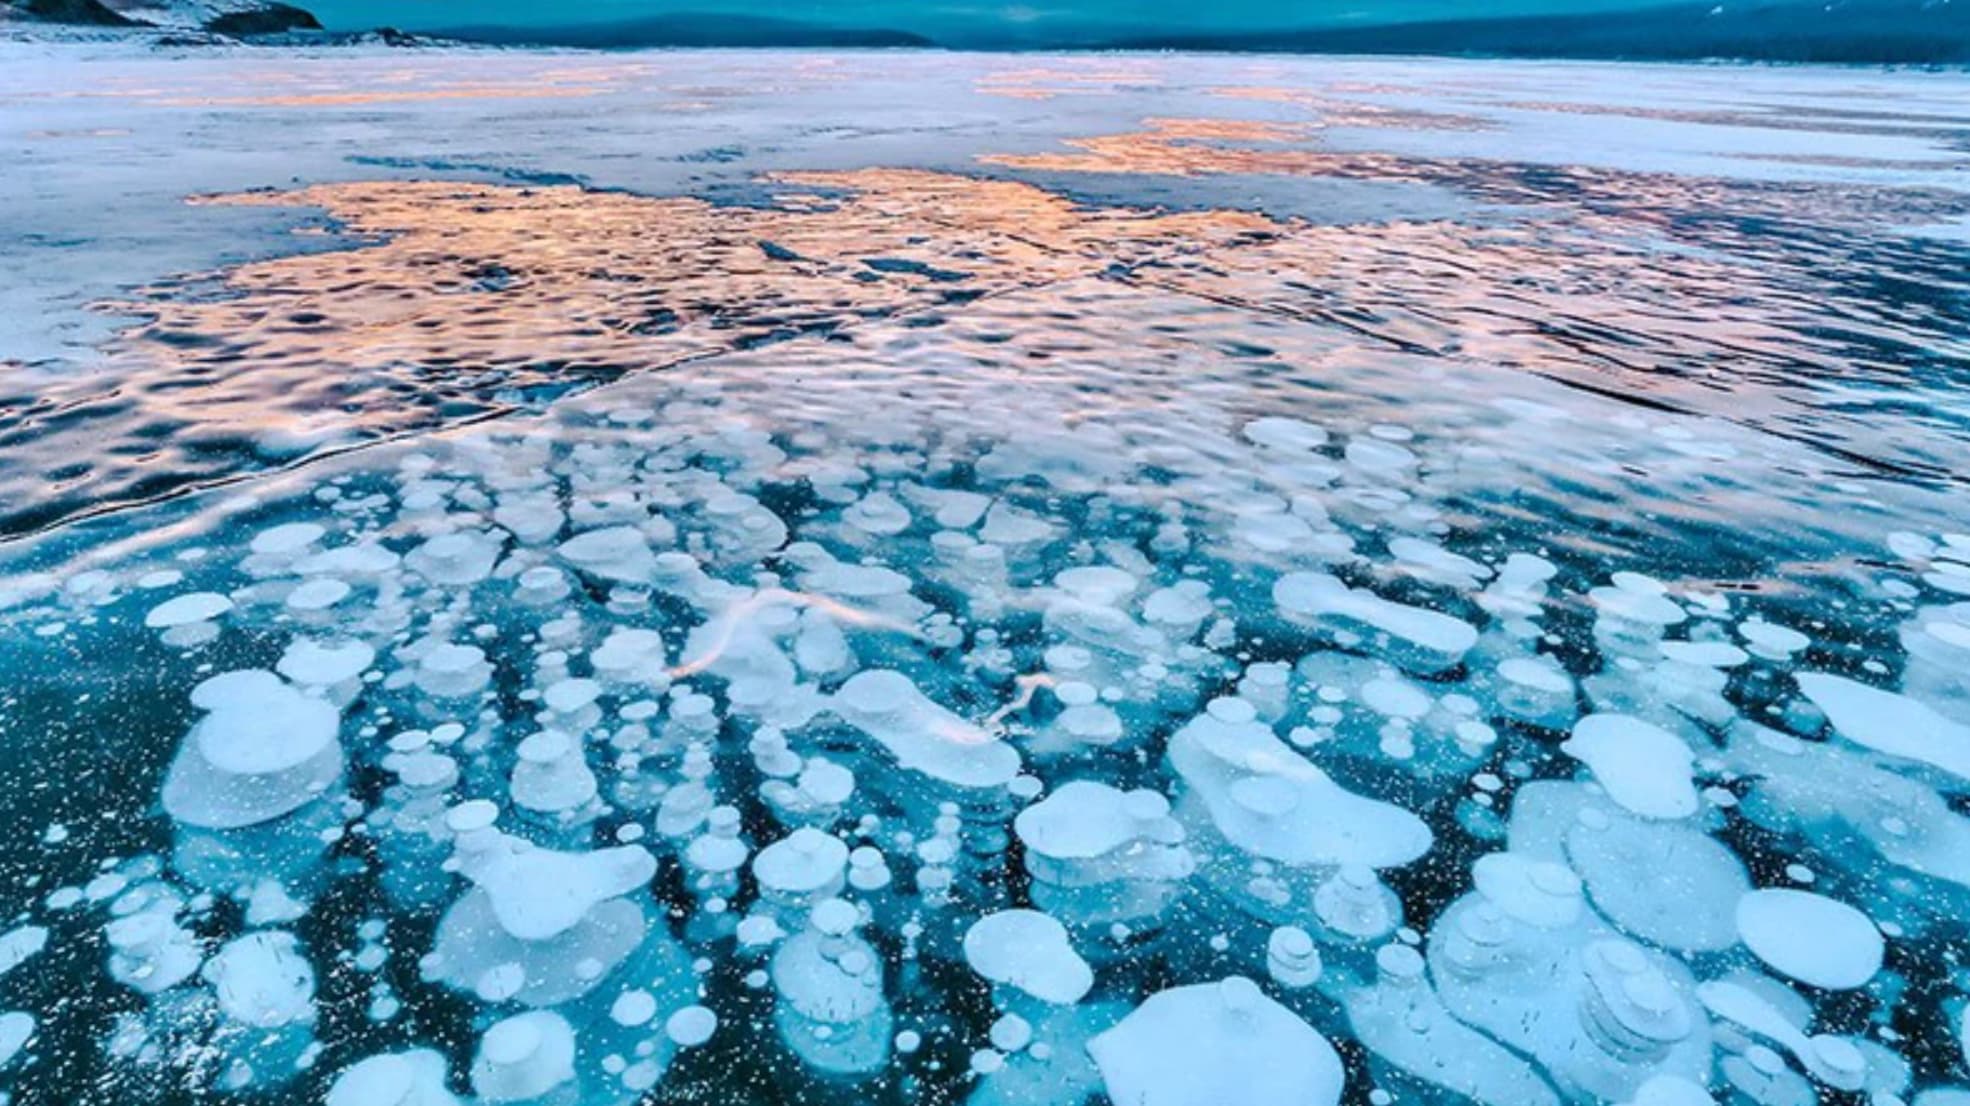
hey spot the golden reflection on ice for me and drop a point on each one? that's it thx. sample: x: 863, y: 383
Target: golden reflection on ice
x: 451, y: 302
x: 440, y: 303
x: 1195, y: 148
x: 453, y: 289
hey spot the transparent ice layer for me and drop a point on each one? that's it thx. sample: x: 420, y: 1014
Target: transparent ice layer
x: 1141, y: 681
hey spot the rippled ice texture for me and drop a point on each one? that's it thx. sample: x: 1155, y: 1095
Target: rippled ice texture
x: 923, y: 578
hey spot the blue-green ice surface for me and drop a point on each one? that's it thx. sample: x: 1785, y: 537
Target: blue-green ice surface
x: 839, y: 578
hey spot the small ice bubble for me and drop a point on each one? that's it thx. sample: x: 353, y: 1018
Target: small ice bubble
x: 414, y: 1078
x: 1422, y: 640
x: 759, y: 930
x: 1011, y: 1033
x: 453, y: 671
x: 1770, y: 640
x: 633, y: 1008
x: 19, y: 944
x: 472, y: 816
x: 1103, y: 585
x: 16, y: 1029
x: 1378, y: 457
x: 287, y: 539
x: 316, y: 595
x: 879, y: 514
x: 1670, y: 1090
x: 570, y: 695
x: 805, y: 863
x: 524, y: 1057
x: 1432, y: 563
x: 262, y: 980
x: 629, y: 655
x: 1286, y: 435
x: 1291, y: 958
x: 270, y: 904
x: 198, y: 606
x: 1540, y: 893
x: 530, y: 518
x: 456, y: 559
x: 551, y: 776
x: 1008, y: 525
x: 360, y: 559
x: 690, y: 1027
x: 1706, y: 654
x: 618, y: 553
x: 312, y: 663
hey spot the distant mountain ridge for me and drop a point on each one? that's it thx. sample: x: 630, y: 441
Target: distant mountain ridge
x: 1904, y: 32
x: 690, y: 29
x: 1917, y: 32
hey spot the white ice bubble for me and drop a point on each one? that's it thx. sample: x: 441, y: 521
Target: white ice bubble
x: 16, y: 1029
x: 1411, y: 637
x: 537, y: 893
x: 413, y: 1078
x: 1029, y: 951
x: 198, y: 606
x: 618, y: 553
x: 691, y: 1026
x: 450, y: 670
x: 312, y: 663
x: 19, y: 944
x: 1285, y: 434
x: 287, y: 539
x: 1270, y: 801
x: 805, y: 863
x: 923, y: 736
x: 1671, y: 1090
x: 1211, y: 1044
x: 1810, y: 938
x: 1771, y: 640
x: 315, y: 595
x: 259, y: 724
x: 1644, y: 767
x: 524, y: 1057
x: 263, y: 749
x: 263, y: 980
x: 455, y: 559
x: 1890, y: 723
x: 1707, y: 654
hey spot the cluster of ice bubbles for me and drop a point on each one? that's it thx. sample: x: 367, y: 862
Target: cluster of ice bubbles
x: 1012, y: 779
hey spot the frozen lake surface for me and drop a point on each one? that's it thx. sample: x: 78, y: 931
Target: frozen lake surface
x: 802, y: 577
